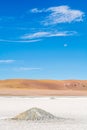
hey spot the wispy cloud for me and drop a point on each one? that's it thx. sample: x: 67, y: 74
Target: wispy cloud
x: 27, y: 69
x: 7, y: 61
x: 36, y: 10
x: 60, y: 14
x: 48, y: 34
x: 19, y: 41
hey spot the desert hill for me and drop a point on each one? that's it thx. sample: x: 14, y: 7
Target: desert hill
x: 44, y: 84
x: 42, y: 87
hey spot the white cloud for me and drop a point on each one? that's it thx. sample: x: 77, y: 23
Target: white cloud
x: 7, y: 61
x: 20, y: 41
x: 48, y: 34
x: 60, y: 14
x: 27, y: 69
x: 36, y: 10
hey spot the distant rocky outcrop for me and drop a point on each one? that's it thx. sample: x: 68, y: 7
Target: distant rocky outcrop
x: 35, y: 114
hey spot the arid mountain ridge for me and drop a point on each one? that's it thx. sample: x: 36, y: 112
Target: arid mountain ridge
x: 44, y: 84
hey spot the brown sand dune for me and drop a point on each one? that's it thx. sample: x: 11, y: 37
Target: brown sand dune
x: 43, y: 87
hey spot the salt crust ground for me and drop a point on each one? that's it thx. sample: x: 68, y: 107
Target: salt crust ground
x: 72, y: 108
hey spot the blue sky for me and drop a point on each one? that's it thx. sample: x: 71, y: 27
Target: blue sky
x: 43, y: 39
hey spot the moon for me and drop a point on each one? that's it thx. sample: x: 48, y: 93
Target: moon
x: 65, y: 45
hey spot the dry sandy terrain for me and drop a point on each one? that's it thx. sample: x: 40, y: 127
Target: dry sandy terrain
x: 24, y: 87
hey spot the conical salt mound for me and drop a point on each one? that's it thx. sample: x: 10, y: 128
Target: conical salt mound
x: 34, y: 114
